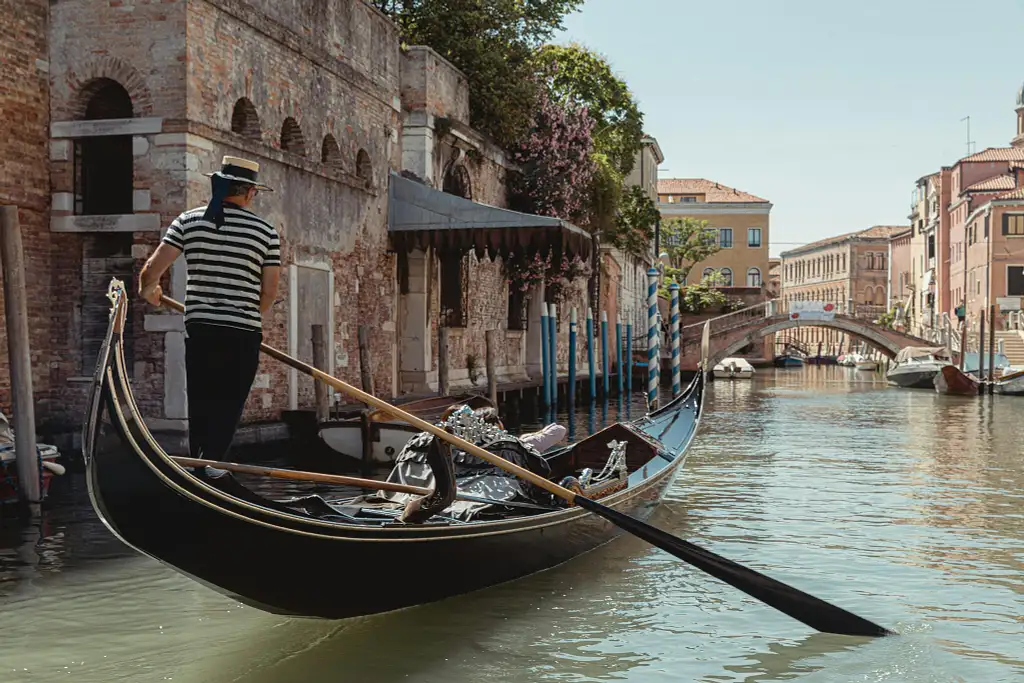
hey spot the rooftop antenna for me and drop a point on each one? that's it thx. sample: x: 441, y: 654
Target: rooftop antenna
x: 969, y: 141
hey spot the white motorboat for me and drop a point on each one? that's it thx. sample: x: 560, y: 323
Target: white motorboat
x: 915, y: 367
x: 866, y: 364
x: 733, y: 368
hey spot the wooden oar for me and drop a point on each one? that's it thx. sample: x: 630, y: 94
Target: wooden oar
x: 299, y: 475
x: 797, y: 604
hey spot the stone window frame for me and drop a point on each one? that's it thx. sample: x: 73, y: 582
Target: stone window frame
x: 754, y: 270
x: 1008, y: 267
x: 1007, y: 224
x: 750, y: 234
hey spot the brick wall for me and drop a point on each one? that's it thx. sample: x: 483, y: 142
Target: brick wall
x: 23, y: 177
x: 332, y: 69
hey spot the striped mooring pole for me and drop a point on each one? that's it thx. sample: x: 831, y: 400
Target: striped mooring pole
x: 553, y: 352
x: 590, y: 353
x: 674, y: 322
x: 652, y: 339
x: 545, y: 364
x: 571, y: 389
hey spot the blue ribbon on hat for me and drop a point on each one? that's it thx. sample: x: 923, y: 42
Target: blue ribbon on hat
x: 215, y: 209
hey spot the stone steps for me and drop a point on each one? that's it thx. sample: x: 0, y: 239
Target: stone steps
x: 1013, y: 346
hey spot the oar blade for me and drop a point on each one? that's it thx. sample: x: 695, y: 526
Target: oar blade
x: 801, y: 606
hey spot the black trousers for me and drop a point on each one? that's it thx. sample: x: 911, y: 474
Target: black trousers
x: 220, y: 366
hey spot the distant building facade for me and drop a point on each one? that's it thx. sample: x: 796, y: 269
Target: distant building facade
x: 850, y: 271
x: 740, y: 221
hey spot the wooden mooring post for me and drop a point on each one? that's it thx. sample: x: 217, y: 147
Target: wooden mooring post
x: 365, y: 371
x: 320, y: 363
x: 490, y: 340
x: 991, y: 348
x: 12, y: 261
x: 442, y: 361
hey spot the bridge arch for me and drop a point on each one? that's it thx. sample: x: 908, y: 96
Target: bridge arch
x: 858, y: 329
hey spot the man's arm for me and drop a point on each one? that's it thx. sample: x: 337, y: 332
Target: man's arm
x: 271, y: 274
x: 268, y: 289
x: 156, y: 266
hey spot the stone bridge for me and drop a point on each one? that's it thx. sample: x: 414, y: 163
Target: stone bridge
x: 733, y: 331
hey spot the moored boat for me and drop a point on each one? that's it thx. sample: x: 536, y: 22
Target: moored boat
x: 915, y: 367
x: 950, y: 380
x: 733, y: 368
x: 311, y: 556
x: 1010, y: 385
x: 788, y: 361
x: 48, y: 466
x: 866, y: 364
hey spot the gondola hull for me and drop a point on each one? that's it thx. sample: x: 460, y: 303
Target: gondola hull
x: 287, y: 563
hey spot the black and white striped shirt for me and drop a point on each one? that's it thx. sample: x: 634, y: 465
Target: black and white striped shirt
x: 225, y: 265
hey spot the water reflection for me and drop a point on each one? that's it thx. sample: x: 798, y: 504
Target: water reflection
x: 904, y: 506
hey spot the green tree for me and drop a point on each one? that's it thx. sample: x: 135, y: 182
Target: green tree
x: 633, y: 228
x: 493, y: 43
x: 704, y: 295
x: 576, y: 75
x: 688, y: 241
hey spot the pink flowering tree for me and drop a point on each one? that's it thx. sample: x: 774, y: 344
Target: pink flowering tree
x: 555, y: 158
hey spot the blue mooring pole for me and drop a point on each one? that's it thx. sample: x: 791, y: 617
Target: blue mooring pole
x: 590, y: 353
x: 629, y: 358
x: 571, y: 389
x: 544, y: 362
x: 553, y: 352
x: 618, y: 351
x: 604, y: 352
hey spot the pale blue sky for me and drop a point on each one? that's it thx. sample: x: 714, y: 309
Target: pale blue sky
x: 830, y: 110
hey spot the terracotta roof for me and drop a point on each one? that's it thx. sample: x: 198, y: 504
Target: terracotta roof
x: 1015, y: 194
x: 714, y: 192
x: 995, y: 184
x: 874, y: 232
x: 997, y: 154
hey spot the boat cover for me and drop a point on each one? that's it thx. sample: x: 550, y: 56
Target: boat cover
x: 920, y: 353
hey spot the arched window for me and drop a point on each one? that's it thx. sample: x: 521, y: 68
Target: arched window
x: 364, y: 169
x: 753, y: 277
x: 708, y: 272
x: 292, y: 139
x: 881, y: 261
x: 457, y: 182
x: 726, y: 274
x: 104, y: 165
x: 330, y: 153
x: 245, y: 120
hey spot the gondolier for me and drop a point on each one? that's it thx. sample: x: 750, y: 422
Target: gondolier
x: 233, y: 259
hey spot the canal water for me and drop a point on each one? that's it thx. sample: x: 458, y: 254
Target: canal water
x: 903, y: 506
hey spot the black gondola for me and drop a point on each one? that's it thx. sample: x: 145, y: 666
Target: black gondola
x: 310, y: 558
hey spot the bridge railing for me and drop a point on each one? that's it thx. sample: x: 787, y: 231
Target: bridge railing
x: 690, y: 335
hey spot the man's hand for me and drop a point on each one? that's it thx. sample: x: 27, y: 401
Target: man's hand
x: 152, y: 294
